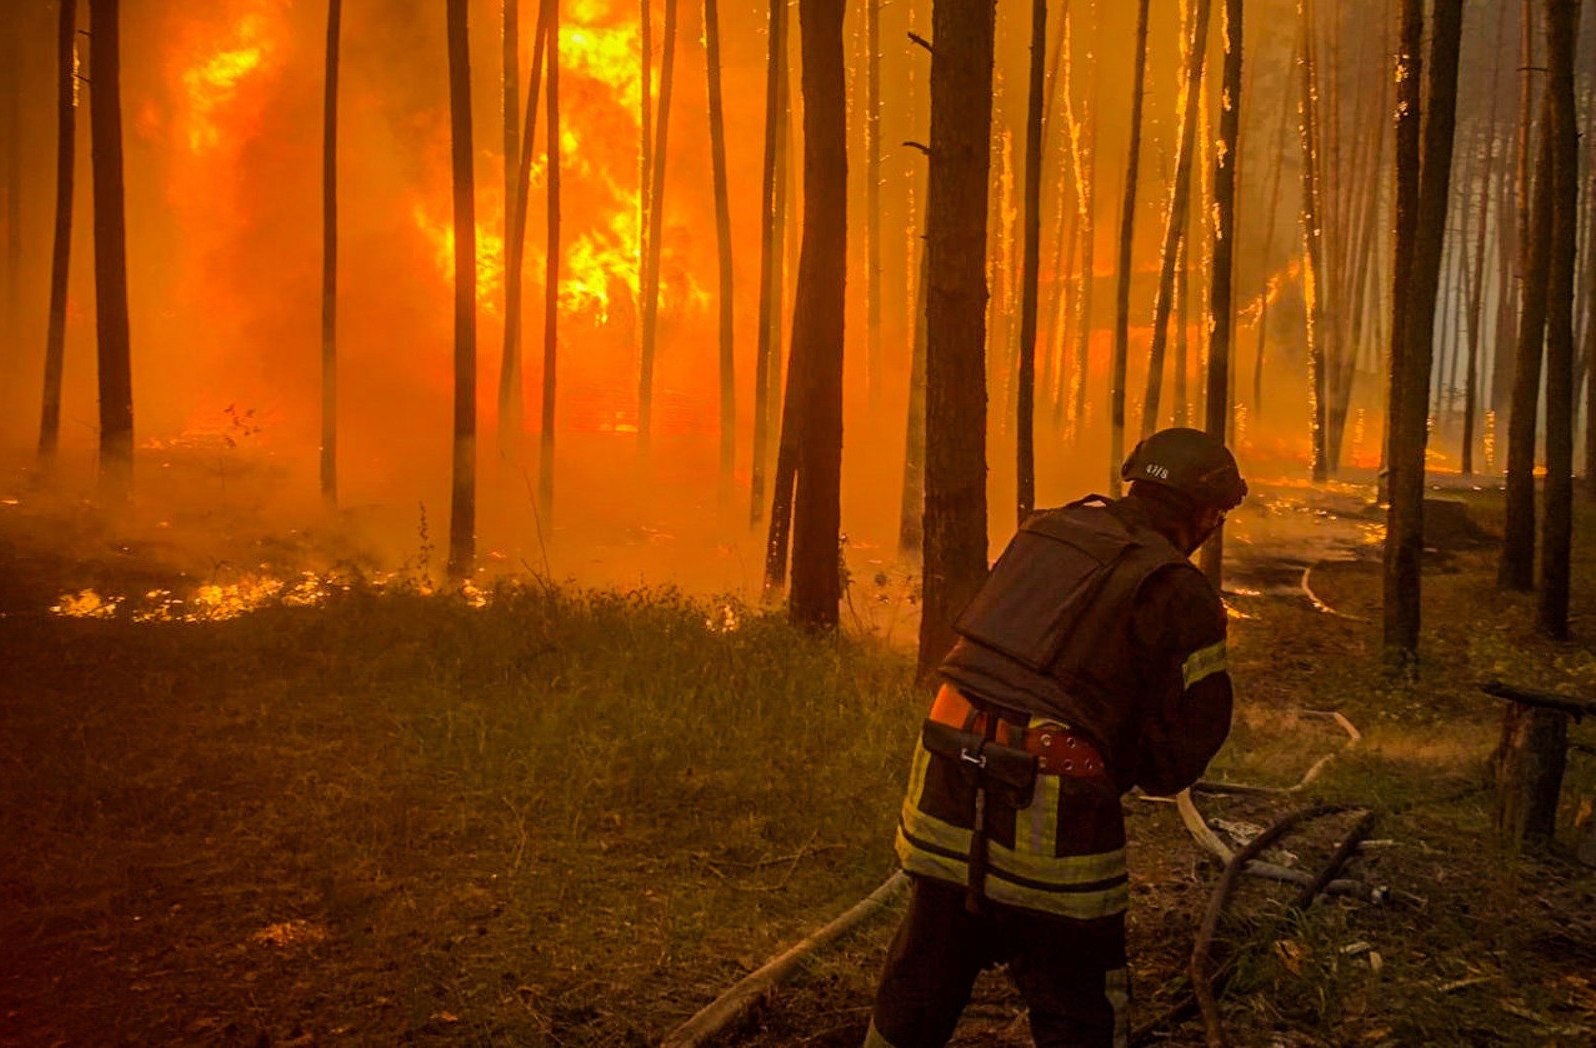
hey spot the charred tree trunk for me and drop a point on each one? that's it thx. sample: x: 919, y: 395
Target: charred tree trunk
x: 911, y: 511
x: 1516, y: 570
x: 1268, y: 244
x: 463, y: 488
x: 651, y: 246
x: 115, y: 355
x: 1562, y: 20
x: 510, y: 392
x: 1127, y: 229
x: 1529, y: 774
x: 1175, y: 218
x: 818, y: 317
x: 1221, y: 309
x: 1314, y: 269
x: 1025, y: 414
x: 766, y: 353
x: 1411, y: 365
x: 955, y: 476
x: 61, y: 254
x: 551, y: 279
x: 723, y: 243
x: 873, y: 362
x: 329, y: 260
x: 1471, y: 393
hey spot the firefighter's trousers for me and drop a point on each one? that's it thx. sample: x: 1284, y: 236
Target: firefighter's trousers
x: 1070, y: 972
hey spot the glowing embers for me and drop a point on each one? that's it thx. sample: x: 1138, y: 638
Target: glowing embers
x: 213, y: 83
x: 290, y: 933
x: 212, y: 602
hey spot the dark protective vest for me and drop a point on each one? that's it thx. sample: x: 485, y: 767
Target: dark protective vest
x: 1050, y: 632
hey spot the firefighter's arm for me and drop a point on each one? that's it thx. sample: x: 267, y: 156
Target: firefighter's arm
x: 1186, y: 703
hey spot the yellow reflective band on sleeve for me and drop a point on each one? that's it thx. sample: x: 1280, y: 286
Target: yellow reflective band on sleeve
x: 1204, y: 662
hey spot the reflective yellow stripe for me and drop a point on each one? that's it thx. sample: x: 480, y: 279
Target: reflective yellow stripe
x: 1080, y: 905
x: 1204, y: 662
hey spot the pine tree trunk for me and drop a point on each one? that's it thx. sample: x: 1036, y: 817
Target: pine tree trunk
x: 115, y: 356
x: 817, y: 329
x: 61, y: 254
x: 1127, y: 229
x: 651, y: 247
x: 1268, y: 245
x: 1314, y: 271
x: 1471, y: 393
x: 911, y: 508
x: 723, y: 243
x: 329, y: 261
x: 1175, y: 217
x: 1562, y: 20
x: 510, y: 391
x: 1221, y: 309
x: 551, y: 281
x: 1410, y: 380
x: 873, y: 364
x: 1025, y: 433
x: 510, y: 102
x: 765, y: 359
x: 1083, y: 147
x: 463, y: 495
x: 955, y: 477
x: 1516, y: 569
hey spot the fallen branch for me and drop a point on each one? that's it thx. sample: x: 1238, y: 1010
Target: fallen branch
x: 1338, y: 860
x: 1545, y: 699
x: 1200, y: 979
x: 729, y: 1006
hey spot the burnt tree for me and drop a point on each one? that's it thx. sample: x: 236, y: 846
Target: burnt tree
x: 1025, y: 430
x: 767, y: 347
x: 115, y: 356
x: 723, y: 246
x: 1127, y: 229
x: 61, y: 253
x: 651, y: 243
x: 329, y: 261
x: 817, y: 327
x: 551, y: 276
x: 462, y: 489
x: 954, y: 554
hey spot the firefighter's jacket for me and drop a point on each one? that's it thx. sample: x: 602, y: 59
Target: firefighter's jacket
x: 1092, y: 620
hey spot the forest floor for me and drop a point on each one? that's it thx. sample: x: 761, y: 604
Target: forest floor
x: 336, y: 808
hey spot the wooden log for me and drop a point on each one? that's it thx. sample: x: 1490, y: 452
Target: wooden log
x: 1529, y: 773
x: 1550, y: 700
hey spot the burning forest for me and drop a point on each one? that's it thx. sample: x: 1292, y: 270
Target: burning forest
x: 491, y: 490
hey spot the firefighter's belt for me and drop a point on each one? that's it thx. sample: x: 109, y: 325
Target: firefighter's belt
x: 1005, y: 773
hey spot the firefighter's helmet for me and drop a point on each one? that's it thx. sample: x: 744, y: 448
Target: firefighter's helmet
x: 1191, y: 462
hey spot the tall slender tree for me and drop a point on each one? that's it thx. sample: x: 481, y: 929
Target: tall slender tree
x: 1314, y: 268
x: 1083, y: 149
x: 1175, y: 216
x: 329, y: 260
x: 1025, y: 434
x: 115, y: 355
x: 1268, y: 251
x: 874, y: 369
x: 1221, y: 305
x: 767, y: 334
x: 1471, y: 392
x: 463, y: 488
x: 510, y: 392
x: 1411, y: 361
x: 1557, y: 524
x: 61, y: 254
x: 723, y: 244
x: 651, y: 246
x: 551, y: 276
x: 1127, y: 229
x: 1516, y: 569
x: 955, y: 477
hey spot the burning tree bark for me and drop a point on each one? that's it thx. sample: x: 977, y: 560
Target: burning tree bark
x: 115, y: 356
x: 1562, y: 19
x: 551, y: 279
x: 955, y: 477
x: 818, y: 316
x: 1127, y: 229
x: 462, y: 496
x: 61, y: 253
x: 1413, y: 338
x: 1221, y: 308
x: 329, y: 261
x: 1175, y: 218
x: 723, y: 243
x: 651, y: 246
x: 1314, y: 271
x: 769, y: 289
x: 1025, y: 454
x: 510, y: 103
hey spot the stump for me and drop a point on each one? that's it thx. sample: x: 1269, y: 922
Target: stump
x: 1529, y: 773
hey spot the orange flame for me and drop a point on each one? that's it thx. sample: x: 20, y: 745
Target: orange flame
x: 214, y: 82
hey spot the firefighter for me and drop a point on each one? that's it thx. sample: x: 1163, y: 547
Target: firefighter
x: 1092, y: 660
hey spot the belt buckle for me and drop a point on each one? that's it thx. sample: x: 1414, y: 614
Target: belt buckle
x: 977, y: 758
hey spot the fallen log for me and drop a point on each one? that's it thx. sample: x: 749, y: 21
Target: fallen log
x: 1548, y: 700
x: 735, y: 1002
